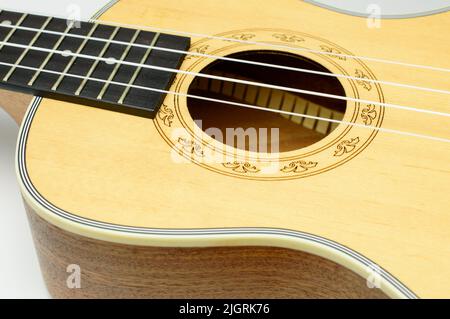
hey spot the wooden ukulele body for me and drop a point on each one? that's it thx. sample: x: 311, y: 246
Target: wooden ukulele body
x: 107, y: 191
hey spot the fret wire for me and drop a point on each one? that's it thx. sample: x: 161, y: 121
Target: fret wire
x: 260, y: 63
x: 72, y: 60
x: 136, y: 72
x: 96, y: 62
x: 49, y: 56
x: 190, y: 34
x: 13, y: 29
x: 117, y: 66
x: 256, y: 107
x: 259, y: 84
x: 24, y: 53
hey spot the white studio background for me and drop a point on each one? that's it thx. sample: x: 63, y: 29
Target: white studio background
x: 19, y: 269
x: 20, y: 275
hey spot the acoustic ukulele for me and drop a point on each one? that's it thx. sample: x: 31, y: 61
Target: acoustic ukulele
x: 292, y: 151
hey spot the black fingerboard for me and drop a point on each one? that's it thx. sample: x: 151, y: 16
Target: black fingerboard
x: 108, y: 84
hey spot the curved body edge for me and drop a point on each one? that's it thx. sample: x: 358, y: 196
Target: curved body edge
x: 353, y: 210
x: 359, y: 269
x: 289, y: 264
x: 385, y: 9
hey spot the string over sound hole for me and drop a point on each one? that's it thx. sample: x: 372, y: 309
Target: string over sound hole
x: 295, y: 132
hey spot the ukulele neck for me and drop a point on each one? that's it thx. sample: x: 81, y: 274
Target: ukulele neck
x: 88, y: 63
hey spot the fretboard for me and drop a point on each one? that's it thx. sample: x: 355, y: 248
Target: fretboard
x: 93, y: 68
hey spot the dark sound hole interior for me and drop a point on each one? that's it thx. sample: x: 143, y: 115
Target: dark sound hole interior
x: 294, y: 132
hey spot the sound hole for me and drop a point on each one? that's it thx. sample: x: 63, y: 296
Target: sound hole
x: 294, y: 132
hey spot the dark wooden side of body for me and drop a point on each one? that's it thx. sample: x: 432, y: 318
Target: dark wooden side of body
x: 111, y: 270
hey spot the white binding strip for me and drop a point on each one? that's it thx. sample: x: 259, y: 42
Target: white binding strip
x: 106, y: 231
x: 400, y: 289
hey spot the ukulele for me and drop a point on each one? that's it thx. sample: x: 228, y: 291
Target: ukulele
x: 291, y: 152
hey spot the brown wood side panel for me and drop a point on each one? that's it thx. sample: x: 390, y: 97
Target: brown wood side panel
x: 15, y: 104
x: 110, y: 270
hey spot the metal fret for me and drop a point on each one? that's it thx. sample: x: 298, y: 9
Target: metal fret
x: 118, y: 64
x: 136, y: 72
x: 49, y: 56
x: 94, y: 65
x: 72, y: 60
x: 37, y: 56
x: 11, y: 32
x: 24, y: 53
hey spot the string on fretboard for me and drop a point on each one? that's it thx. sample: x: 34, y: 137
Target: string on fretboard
x: 83, y: 90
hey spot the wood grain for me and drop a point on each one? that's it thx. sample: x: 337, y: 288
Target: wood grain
x: 111, y: 270
x: 15, y: 104
x: 389, y: 203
